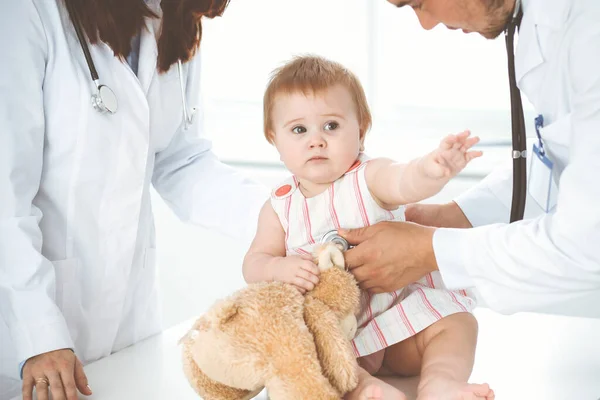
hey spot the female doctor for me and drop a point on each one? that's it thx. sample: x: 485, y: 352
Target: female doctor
x: 77, y: 275
x: 549, y: 261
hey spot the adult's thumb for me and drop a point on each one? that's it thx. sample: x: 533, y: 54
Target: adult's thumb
x: 354, y: 236
x: 81, y: 379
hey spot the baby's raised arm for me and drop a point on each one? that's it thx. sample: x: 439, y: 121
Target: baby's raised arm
x: 395, y: 184
x: 266, y: 259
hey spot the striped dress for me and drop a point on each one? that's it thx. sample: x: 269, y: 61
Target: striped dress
x: 384, y: 319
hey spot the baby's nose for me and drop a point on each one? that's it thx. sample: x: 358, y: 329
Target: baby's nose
x: 317, y: 141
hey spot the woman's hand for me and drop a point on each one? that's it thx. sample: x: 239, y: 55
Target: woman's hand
x: 59, y: 372
x: 299, y: 271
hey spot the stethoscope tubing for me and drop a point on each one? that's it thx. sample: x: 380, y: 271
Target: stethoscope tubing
x: 82, y: 40
x: 519, y: 139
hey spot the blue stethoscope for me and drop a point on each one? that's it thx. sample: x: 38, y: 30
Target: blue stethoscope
x: 104, y: 99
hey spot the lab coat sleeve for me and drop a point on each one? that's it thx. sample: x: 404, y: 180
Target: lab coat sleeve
x: 202, y: 190
x: 486, y: 203
x: 198, y: 187
x: 489, y: 201
x: 27, y: 280
x: 550, y: 263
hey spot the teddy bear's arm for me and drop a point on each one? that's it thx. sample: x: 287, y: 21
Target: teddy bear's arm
x: 334, y: 349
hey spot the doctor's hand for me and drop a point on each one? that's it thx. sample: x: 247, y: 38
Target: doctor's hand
x: 389, y: 255
x: 447, y: 215
x: 59, y: 372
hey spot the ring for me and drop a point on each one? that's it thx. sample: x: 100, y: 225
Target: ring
x: 42, y: 380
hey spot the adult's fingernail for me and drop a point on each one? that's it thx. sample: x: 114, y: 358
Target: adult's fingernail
x: 89, y: 388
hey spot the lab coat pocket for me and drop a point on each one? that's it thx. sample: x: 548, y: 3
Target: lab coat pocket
x: 68, y: 289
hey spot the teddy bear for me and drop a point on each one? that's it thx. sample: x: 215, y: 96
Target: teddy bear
x: 269, y: 335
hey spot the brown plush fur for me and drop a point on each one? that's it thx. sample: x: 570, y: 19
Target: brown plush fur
x: 269, y: 335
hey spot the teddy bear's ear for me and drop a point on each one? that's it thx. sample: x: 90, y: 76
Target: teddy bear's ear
x: 224, y: 312
x: 328, y: 256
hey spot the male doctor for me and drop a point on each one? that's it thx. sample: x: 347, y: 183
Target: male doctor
x: 549, y: 261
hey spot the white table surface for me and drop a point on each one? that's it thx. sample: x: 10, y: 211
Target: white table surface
x: 525, y: 356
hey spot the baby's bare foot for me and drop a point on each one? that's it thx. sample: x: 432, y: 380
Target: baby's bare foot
x: 371, y: 388
x: 447, y: 389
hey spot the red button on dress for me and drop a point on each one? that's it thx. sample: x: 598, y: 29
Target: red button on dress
x: 283, y: 190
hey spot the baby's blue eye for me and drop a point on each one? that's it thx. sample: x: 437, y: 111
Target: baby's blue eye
x: 299, y: 129
x: 331, y: 126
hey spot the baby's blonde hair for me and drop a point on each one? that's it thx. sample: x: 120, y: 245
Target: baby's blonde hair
x: 312, y: 75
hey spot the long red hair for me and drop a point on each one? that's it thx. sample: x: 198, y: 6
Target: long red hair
x: 116, y: 22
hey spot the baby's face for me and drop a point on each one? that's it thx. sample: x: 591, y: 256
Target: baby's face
x: 317, y: 136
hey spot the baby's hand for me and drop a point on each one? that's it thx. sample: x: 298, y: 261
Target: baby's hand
x: 299, y: 271
x: 452, y: 156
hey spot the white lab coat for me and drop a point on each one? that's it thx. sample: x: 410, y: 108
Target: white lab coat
x: 77, y: 242
x: 547, y: 262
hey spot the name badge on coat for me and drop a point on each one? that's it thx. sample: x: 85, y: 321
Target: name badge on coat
x: 542, y: 187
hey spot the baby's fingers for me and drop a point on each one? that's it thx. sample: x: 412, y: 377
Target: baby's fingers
x: 463, y: 135
x: 448, y: 142
x: 308, y: 257
x: 300, y: 289
x: 473, y: 154
x: 470, y: 142
x: 307, y: 275
x: 310, y: 267
x: 303, y: 284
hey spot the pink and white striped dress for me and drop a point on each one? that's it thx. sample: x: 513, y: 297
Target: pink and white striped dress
x: 384, y: 319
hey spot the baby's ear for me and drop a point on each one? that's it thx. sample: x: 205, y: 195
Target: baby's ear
x: 270, y: 134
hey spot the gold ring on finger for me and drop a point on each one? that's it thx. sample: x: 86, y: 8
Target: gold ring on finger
x: 42, y: 380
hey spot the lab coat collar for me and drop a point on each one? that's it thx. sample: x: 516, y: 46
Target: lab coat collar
x: 537, y: 14
x: 148, y: 53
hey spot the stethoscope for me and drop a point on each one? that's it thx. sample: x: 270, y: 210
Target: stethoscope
x: 519, y: 139
x: 104, y: 99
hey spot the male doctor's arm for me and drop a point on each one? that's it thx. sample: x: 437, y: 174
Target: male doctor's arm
x: 201, y: 189
x: 27, y: 279
x: 550, y: 263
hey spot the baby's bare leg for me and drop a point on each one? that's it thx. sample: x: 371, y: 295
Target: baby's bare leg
x: 372, y: 388
x: 448, y: 357
x: 444, y: 353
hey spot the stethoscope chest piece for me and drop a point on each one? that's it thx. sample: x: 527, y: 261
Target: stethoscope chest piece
x: 105, y: 100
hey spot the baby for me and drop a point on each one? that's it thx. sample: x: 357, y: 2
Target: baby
x: 316, y: 115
